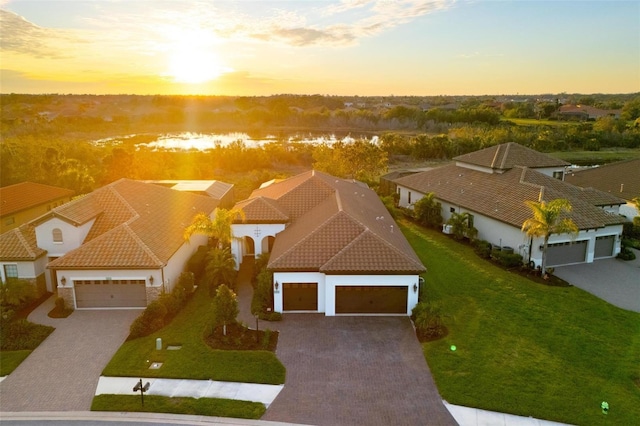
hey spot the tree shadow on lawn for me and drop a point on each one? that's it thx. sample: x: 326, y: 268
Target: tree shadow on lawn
x: 241, y: 338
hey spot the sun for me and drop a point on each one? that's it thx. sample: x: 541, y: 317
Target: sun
x: 192, y: 60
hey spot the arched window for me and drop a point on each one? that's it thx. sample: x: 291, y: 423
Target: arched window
x: 57, y: 235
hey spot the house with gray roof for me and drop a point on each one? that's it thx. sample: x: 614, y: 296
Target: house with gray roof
x: 334, y: 248
x: 493, y: 184
x: 120, y: 246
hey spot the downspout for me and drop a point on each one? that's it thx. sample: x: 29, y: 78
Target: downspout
x: 530, y: 248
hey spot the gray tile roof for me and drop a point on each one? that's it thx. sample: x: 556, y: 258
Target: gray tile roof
x: 509, y: 155
x: 621, y: 179
x: 502, y: 196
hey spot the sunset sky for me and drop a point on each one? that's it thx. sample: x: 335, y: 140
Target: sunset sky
x: 349, y: 47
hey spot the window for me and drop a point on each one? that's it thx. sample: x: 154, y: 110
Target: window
x: 558, y: 175
x: 10, y: 271
x: 409, y: 197
x: 452, y: 209
x: 57, y: 235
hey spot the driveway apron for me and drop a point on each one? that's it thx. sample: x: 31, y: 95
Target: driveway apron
x: 62, y: 373
x: 354, y: 371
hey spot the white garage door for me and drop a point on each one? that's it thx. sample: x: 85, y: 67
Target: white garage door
x: 110, y: 293
x: 566, y: 253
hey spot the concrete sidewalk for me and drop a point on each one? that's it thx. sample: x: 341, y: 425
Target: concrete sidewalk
x: 254, y: 392
x: 466, y: 416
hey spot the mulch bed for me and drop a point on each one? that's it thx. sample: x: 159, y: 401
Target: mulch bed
x: 240, y: 338
x: 24, y: 311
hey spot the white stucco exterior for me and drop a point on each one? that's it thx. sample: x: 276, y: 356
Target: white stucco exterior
x: 72, y: 236
x: 258, y: 233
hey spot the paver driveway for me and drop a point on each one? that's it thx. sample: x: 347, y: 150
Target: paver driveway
x: 354, y: 371
x: 62, y: 373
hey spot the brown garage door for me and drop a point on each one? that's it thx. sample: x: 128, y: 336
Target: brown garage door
x: 300, y: 296
x: 566, y: 253
x: 604, y: 246
x: 371, y: 300
x: 110, y: 293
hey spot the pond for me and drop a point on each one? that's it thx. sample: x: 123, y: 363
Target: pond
x: 206, y: 141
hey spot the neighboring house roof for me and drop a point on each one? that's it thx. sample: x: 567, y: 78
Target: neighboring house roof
x: 621, y: 178
x: 509, y: 155
x: 214, y: 188
x: 502, y: 196
x: 19, y: 244
x: 22, y: 196
x: 338, y: 226
x: 138, y: 225
x: 591, y: 111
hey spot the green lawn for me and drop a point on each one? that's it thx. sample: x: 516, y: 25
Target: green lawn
x: 597, y: 157
x: 10, y: 360
x: 195, y: 360
x: 524, y: 348
x: 176, y: 405
x: 543, y: 122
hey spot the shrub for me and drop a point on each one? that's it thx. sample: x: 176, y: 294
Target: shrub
x: 272, y: 316
x: 260, y: 265
x: 262, y: 300
x: 22, y: 334
x: 427, y: 317
x: 626, y: 254
x: 482, y: 248
x: 150, y: 320
x: 508, y: 260
x: 196, y: 263
x: 16, y: 293
x: 186, y: 282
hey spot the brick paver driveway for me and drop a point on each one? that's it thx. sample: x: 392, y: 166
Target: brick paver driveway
x: 354, y: 371
x: 62, y: 373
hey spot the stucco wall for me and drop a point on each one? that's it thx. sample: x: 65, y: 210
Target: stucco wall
x: 72, y: 236
x: 257, y: 232
x: 298, y: 277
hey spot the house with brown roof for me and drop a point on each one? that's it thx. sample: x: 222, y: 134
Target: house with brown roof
x: 621, y: 179
x: 120, y: 246
x: 334, y: 248
x: 25, y: 201
x: 493, y: 184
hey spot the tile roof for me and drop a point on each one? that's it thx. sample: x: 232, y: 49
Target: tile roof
x: 621, y: 179
x: 502, y: 196
x: 137, y: 225
x: 342, y: 228
x: 19, y: 244
x: 262, y: 210
x: 21, y: 196
x: 509, y: 155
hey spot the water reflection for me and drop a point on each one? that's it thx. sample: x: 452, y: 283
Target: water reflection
x: 206, y: 141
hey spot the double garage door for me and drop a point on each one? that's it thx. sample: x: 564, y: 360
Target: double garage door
x: 110, y: 293
x: 348, y: 299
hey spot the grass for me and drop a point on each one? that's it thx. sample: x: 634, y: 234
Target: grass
x: 10, y: 360
x: 543, y: 122
x: 196, y: 360
x: 597, y: 157
x: 179, y: 405
x: 524, y: 348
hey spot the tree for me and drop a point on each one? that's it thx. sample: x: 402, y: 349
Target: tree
x: 15, y: 291
x: 427, y: 211
x: 220, y: 268
x: 462, y: 225
x: 360, y: 159
x: 225, y: 308
x: 218, y: 228
x: 547, y: 220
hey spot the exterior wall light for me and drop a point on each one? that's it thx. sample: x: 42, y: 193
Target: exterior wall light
x: 151, y: 279
x: 415, y: 288
x: 277, y: 285
x: 63, y: 281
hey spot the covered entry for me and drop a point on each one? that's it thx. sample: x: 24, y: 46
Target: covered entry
x: 300, y: 296
x: 604, y: 246
x: 110, y: 293
x: 566, y: 253
x: 371, y: 300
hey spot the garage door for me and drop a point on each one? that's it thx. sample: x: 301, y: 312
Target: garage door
x: 371, y: 300
x: 604, y: 246
x: 300, y: 296
x: 566, y: 253
x: 110, y: 293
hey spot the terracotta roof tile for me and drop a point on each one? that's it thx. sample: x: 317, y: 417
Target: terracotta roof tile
x: 621, y: 179
x: 509, y: 155
x: 21, y: 196
x: 262, y: 210
x: 20, y: 244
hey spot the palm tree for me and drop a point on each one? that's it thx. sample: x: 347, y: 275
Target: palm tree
x: 547, y: 220
x: 218, y: 228
x: 220, y: 269
x: 462, y: 225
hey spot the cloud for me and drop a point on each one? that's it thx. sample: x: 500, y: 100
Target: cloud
x: 21, y: 36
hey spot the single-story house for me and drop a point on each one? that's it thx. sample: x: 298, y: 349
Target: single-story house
x: 621, y: 179
x: 25, y: 201
x: 493, y: 184
x: 120, y: 246
x: 587, y: 112
x: 333, y: 246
